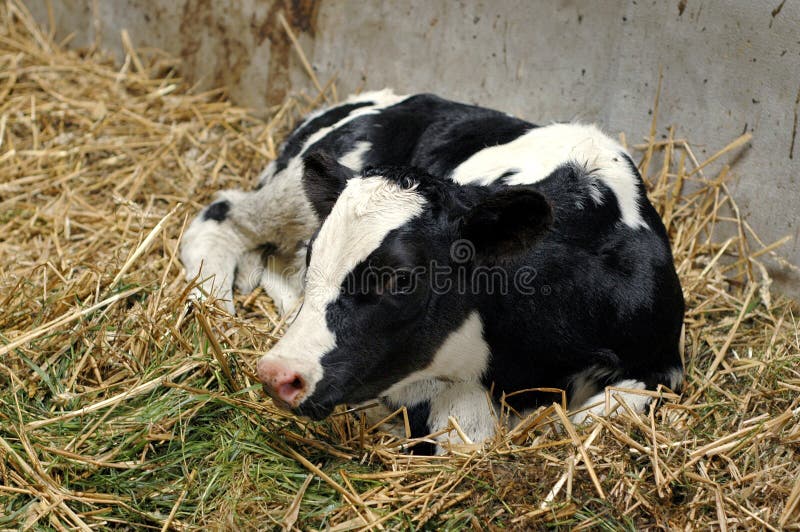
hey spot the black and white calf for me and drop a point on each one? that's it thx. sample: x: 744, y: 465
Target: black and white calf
x: 449, y: 254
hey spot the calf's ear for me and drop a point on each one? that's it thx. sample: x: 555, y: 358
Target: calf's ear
x: 323, y: 180
x: 506, y: 223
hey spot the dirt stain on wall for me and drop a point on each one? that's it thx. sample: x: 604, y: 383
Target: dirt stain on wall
x: 209, y: 28
x: 301, y: 15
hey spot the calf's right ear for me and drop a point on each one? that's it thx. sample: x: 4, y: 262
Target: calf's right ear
x: 506, y: 223
x: 323, y: 180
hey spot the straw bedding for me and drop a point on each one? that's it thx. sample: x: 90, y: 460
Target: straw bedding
x: 122, y: 405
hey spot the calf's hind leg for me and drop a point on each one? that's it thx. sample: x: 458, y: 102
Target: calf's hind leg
x: 225, y: 242
x: 637, y: 395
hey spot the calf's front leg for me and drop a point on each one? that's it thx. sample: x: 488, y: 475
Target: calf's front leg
x: 469, y: 404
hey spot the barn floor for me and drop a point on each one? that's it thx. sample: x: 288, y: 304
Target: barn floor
x: 123, y: 405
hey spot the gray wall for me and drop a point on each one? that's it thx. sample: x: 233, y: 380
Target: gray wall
x: 728, y: 66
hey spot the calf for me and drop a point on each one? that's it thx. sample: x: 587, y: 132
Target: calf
x: 450, y: 255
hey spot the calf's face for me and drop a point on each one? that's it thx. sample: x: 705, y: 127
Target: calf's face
x: 377, y: 300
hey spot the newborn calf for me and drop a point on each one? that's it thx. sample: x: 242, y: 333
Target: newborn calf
x: 448, y: 254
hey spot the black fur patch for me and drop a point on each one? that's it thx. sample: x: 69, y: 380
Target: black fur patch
x: 217, y: 211
x: 508, y: 173
x: 323, y: 179
x: 418, y: 422
x: 507, y: 223
x: 267, y: 249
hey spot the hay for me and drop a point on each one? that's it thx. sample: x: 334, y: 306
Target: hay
x: 120, y: 405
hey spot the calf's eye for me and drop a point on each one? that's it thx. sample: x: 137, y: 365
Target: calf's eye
x: 400, y: 283
x: 407, y: 182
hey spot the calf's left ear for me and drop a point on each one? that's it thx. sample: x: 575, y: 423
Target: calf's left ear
x: 324, y: 178
x: 506, y: 223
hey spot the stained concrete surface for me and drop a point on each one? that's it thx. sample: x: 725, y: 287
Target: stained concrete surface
x: 728, y: 66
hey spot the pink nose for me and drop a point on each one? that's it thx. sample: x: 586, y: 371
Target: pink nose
x: 281, y: 382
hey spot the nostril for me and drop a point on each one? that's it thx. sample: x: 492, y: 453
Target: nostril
x: 291, y: 389
x: 281, y: 382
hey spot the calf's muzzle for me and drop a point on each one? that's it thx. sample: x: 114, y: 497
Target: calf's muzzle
x: 285, y: 385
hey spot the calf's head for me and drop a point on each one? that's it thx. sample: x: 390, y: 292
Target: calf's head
x: 381, y: 295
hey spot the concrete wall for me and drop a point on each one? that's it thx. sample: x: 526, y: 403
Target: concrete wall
x: 729, y: 66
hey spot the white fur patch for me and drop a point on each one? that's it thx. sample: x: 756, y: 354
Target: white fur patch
x: 605, y: 404
x: 537, y: 153
x: 210, y: 251
x: 354, y: 159
x: 411, y: 392
x: 248, y: 271
x: 283, y: 282
x: 465, y: 354
x: 470, y: 406
x: 280, y: 276
x: 365, y: 212
x: 381, y: 99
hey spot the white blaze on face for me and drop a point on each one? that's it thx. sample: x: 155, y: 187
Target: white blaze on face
x: 365, y: 212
